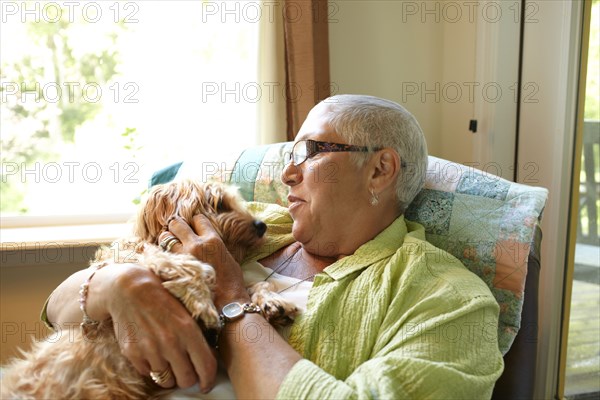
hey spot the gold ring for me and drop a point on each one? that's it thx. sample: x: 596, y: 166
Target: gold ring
x: 171, y: 243
x: 163, y: 243
x: 167, y: 243
x: 160, y: 378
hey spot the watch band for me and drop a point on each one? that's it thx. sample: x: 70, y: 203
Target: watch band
x: 235, y: 310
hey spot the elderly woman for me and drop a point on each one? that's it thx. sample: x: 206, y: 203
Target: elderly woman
x: 386, y: 314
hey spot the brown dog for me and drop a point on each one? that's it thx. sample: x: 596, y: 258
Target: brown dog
x: 88, y: 363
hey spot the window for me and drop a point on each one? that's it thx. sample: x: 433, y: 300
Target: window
x: 582, y: 374
x: 98, y: 95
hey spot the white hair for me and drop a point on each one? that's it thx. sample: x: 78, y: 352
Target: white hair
x: 376, y: 123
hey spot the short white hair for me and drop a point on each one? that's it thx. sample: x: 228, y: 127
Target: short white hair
x: 375, y: 123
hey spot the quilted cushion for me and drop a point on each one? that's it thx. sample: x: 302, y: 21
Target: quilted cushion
x: 485, y: 221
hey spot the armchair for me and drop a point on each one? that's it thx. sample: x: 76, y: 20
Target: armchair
x: 490, y: 224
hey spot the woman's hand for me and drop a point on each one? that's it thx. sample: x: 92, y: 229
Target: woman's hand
x: 270, y: 356
x: 203, y: 242
x: 154, y: 330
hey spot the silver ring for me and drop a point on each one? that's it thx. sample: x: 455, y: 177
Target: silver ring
x: 160, y: 378
x: 167, y: 243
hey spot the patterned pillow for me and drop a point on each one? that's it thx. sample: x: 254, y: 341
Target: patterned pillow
x: 255, y: 171
x: 487, y: 222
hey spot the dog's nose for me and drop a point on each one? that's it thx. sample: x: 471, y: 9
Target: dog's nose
x: 260, y: 227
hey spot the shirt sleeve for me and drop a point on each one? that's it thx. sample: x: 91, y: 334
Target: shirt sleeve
x: 44, y: 314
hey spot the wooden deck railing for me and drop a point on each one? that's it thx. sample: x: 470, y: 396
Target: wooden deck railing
x: 589, y: 187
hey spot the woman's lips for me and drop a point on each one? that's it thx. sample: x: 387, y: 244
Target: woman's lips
x: 294, y: 202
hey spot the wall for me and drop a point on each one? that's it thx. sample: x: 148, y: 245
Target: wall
x: 373, y: 52
x: 392, y: 50
x: 446, y: 62
x: 26, y: 279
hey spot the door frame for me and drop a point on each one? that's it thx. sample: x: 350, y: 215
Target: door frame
x: 551, y: 59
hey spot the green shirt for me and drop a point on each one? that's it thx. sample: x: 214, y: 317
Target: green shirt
x: 397, y: 319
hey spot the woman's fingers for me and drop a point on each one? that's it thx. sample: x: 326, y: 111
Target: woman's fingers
x: 181, y: 230
x: 204, y: 359
x: 183, y: 369
x: 178, y: 348
x: 200, y: 240
x: 159, y: 341
x: 202, y: 225
x: 178, y: 236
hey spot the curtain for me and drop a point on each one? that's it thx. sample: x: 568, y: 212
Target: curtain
x: 306, y: 58
x: 272, y: 125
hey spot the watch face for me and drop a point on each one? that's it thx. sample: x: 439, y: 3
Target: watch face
x: 233, y: 310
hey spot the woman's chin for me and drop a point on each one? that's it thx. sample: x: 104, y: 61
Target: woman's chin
x: 299, y: 234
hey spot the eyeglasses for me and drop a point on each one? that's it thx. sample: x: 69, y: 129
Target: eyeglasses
x: 305, y: 149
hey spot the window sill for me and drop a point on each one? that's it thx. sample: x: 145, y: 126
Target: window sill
x: 43, y: 237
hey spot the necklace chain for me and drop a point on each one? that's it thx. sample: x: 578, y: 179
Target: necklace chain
x: 297, y: 283
x: 285, y: 263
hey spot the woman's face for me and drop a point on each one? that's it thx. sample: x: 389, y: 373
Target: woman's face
x: 327, y: 193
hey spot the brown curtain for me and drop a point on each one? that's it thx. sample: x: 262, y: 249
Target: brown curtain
x: 307, y: 59
x: 272, y: 111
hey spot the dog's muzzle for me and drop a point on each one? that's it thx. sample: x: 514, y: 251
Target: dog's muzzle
x: 260, y: 228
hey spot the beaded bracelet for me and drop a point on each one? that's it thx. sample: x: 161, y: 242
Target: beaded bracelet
x: 83, y: 293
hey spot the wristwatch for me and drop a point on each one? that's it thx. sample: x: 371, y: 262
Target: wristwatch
x: 233, y: 311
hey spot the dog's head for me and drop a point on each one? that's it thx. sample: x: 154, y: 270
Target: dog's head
x: 222, y: 205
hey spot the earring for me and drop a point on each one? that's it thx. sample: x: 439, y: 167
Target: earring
x: 374, y: 198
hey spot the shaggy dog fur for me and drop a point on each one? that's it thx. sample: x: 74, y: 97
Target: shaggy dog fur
x: 87, y: 363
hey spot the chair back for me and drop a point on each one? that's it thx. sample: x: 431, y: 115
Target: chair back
x: 518, y: 379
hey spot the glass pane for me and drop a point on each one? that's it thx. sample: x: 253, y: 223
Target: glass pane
x: 98, y: 95
x: 583, y: 348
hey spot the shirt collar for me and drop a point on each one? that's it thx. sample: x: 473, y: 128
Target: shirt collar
x: 386, y: 243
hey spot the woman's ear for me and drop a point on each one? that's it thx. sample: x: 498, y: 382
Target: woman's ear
x: 385, y: 167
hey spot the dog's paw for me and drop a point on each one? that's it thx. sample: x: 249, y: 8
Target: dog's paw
x: 197, y: 299
x: 279, y: 312
x: 275, y: 309
x: 208, y: 314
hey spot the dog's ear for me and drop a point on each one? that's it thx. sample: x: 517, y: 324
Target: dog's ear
x: 214, y: 197
x: 155, y: 211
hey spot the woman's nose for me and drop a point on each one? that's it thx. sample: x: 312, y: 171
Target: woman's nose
x: 291, y: 174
